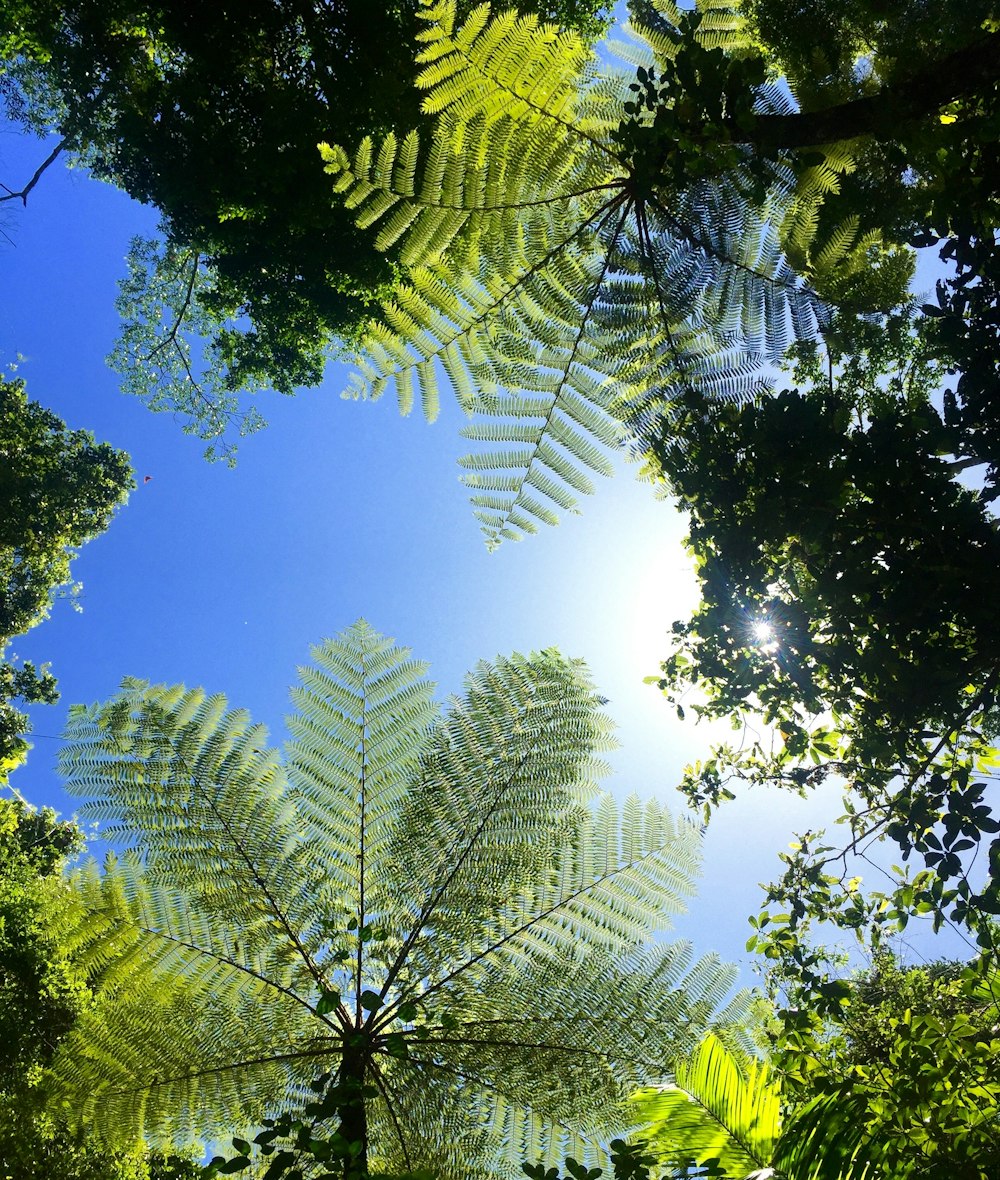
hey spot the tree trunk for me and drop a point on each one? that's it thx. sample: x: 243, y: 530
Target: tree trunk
x: 352, y: 1112
x: 973, y: 69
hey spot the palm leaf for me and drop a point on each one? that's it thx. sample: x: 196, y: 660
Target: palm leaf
x: 714, y: 1112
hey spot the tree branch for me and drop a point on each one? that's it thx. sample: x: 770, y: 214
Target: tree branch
x: 22, y: 194
x: 972, y: 69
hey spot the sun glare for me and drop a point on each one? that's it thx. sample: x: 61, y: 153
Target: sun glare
x: 763, y: 635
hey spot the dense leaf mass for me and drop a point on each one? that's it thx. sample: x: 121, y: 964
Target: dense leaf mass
x: 212, y: 115
x: 58, y: 489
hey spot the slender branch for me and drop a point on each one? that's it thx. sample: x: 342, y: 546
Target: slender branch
x: 383, y: 1088
x: 270, y: 1059
x: 171, y: 336
x: 22, y: 194
x: 952, y: 734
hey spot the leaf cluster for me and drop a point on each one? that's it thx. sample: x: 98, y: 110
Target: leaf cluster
x: 848, y: 621
x: 58, y: 489
x: 42, y: 993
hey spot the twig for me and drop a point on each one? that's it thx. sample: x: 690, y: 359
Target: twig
x: 22, y: 194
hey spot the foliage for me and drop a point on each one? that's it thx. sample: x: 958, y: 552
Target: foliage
x: 553, y: 206
x: 591, y: 267
x: 585, y: 266
x: 932, y: 181
x: 848, y: 621
x: 910, y: 1090
x: 41, y: 994
x: 907, y: 1061
x: 58, y: 489
x: 567, y: 288
x: 438, y: 912
x: 629, y: 1162
x: 215, y: 122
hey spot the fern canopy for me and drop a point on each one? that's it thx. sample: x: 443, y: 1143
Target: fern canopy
x: 570, y: 284
x: 436, y: 905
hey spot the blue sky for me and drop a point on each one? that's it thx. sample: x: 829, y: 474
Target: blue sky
x: 224, y: 578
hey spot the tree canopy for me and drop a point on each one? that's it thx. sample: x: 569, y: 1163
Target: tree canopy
x: 58, y: 489
x: 42, y: 993
x: 583, y: 258
x: 214, y: 121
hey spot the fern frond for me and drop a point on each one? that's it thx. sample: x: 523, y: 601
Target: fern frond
x: 509, y: 66
x: 189, y: 1016
x: 717, y: 1109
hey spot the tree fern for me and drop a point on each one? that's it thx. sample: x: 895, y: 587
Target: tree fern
x: 566, y: 294
x: 440, y: 905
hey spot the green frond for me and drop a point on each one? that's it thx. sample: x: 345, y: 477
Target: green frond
x: 364, y: 711
x: 652, y: 29
x: 190, y: 1015
x: 826, y: 1140
x: 455, y: 880
x: 538, y: 278
x: 511, y: 65
x: 837, y: 244
x: 717, y: 1110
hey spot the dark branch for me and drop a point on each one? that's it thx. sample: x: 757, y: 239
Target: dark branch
x: 22, y: 194
x: 968, y: 71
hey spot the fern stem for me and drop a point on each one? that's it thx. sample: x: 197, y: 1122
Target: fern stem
x: 358, y: 1018
x: 577, y: 341
x: 317, y: 974
x: 646, y: 245
x: 217, y: 958
x: 512, y: 934
x: 211, y: 1070
x: 690, y: 235
x: 554, y: 1047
